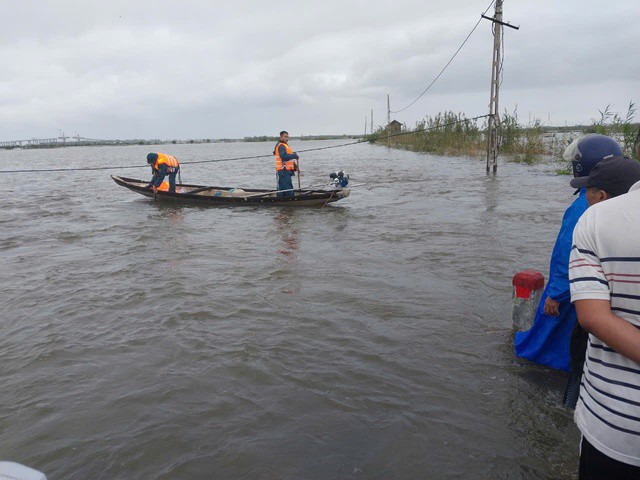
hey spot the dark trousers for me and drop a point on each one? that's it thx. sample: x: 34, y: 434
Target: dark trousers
x: 595, y: 465
x: 577, y: 352
x: 285, y: 182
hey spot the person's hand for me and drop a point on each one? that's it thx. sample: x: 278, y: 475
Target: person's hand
x: 551, y: 307
x: 154, y: 188
x: 297, y: 157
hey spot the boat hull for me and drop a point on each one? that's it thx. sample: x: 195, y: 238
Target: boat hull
x: 226, y: 196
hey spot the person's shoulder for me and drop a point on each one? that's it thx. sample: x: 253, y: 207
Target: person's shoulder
x: 575, y: 210
x: 611, y: 213
x: 616, y: 205
x: 580, y: 203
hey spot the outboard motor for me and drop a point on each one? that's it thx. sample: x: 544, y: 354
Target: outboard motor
x: 339, y: 179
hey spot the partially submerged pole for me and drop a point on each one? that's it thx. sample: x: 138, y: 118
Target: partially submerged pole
x: 492, y: 126
x: 388, y: 121
x: 496, y: 70
x: 527, y: 291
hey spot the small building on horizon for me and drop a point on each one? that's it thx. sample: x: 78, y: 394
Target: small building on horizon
x: 394, y: 126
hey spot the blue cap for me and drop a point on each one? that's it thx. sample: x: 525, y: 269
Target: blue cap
x: 588, y: 150
x: 152, y: 157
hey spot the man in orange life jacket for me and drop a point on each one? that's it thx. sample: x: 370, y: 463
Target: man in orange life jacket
x: 285, y: 166
x: 161, y: 166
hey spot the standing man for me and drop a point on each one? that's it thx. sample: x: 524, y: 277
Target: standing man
x: 161, y: 166
x: 285, y: 165
x: 611, y: 177
x: 605, y: 289
x: 547, y: 341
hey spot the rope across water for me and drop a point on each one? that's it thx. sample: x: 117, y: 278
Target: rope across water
x: 231, y: 159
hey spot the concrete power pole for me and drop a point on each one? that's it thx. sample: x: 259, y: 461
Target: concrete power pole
x: 371, y: 121
x: 388, y: 121
x: 494, y: 120
x: 494, y: 115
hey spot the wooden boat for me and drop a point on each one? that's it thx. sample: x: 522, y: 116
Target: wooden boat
x: 206, y: 195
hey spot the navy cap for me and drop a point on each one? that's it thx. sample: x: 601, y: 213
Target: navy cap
x: 614, y: 175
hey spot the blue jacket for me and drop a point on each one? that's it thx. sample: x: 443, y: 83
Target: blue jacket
x: 547, y: 341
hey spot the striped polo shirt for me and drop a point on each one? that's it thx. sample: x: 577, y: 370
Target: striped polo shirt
x: 605, y: 265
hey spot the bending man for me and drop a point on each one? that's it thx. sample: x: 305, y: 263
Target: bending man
x: 161, y: 166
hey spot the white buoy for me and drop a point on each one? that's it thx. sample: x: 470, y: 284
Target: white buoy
x: 15, y: 471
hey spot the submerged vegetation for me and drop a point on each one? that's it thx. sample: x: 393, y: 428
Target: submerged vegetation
x: 450, y: 133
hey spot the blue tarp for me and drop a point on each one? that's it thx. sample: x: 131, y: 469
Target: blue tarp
x: 547, y: 341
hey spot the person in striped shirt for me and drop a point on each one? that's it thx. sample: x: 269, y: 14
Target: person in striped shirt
x: 604, y: 275
x: 610, y: 177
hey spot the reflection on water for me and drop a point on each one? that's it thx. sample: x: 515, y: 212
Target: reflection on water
x: 285, y: 224
x: 366, y: 339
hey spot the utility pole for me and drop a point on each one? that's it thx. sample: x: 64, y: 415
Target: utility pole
x: 494, y: 115
x: 365, y: 125
x: 494, y: 120
x: 371, y: 131
x: 388, y: 121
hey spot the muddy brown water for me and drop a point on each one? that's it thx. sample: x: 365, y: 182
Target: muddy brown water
x: 370, y: 339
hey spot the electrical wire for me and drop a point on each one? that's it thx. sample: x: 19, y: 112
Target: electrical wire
x: 448, y: 63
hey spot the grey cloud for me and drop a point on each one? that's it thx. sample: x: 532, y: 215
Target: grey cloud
x: 186, y: 69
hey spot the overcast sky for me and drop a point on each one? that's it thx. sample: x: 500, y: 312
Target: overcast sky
x: 203, y: 69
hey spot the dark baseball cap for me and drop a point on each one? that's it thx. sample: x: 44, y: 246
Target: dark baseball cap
x: 615, y: 175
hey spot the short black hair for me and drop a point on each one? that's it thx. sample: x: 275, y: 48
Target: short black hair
x: 283, y: 132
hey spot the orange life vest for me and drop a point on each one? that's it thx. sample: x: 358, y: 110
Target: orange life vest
x: 169, y: 160
x: 280, y: 165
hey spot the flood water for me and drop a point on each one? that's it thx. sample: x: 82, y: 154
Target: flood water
x: 369, y: 339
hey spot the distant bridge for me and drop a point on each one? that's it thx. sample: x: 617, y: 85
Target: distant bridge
x: 61, y: 141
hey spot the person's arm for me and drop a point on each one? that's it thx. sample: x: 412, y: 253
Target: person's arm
x: 596, y: 317
x: 558, y: 289
x: 558, y: 286
x: 154, y: 174
x: 591, y: 294
x: 286, y: 156
x: 162, y: 172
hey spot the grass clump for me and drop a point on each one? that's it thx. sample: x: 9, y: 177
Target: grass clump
x: 620, y: 127
x: 450, y: 133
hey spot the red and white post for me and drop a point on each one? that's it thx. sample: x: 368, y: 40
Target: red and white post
x: 527, y: 290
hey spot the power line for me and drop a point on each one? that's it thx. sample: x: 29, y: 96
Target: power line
x: 231, y: 159
x: 448, y: 63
